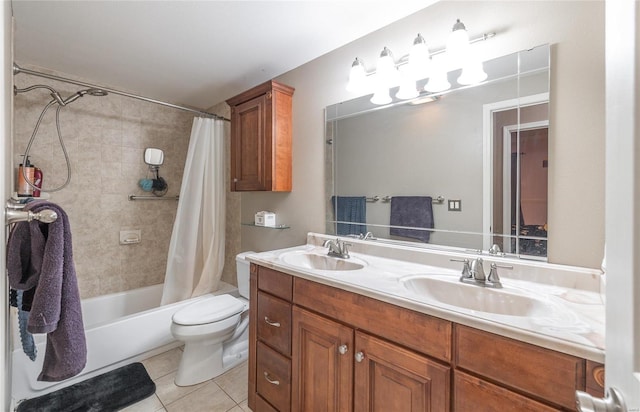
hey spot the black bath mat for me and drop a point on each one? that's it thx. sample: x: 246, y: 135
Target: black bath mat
x: 110, y: 391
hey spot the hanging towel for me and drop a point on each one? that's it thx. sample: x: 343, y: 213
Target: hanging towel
x: 26, y: 338
x: 350, y: 209
x: 40, y: 255
x: 411, y: 211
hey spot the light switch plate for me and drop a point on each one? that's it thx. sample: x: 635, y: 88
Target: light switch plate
x: 455, y: 205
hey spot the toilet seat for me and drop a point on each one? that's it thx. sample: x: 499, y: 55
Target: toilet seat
x: 208, y: 310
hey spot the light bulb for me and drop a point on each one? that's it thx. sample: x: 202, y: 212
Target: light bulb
x: 472, y: 73
x: 408, y: 89
x: 386, y: 73
x: 381, y: 96
x: 419, y: 59
x: 458, y: 45
x: 438, y: 81
x: 357, y: 77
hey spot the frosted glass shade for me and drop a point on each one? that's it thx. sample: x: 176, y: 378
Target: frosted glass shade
x: 357, y: 77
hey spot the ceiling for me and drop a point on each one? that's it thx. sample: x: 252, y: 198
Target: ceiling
x: 194, y: 53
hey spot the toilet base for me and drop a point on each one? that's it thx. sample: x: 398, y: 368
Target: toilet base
x: 202, y: 362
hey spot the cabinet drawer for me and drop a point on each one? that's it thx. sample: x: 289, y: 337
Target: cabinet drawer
x: 274, y: 322
x: 540, y: 372
x: 474, y: 394
x: 277, y: 283
x: 263, y: 406
x: 426, y: 334
x: 274, y: 377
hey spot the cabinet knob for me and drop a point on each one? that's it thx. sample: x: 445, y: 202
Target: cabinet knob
x: 271, y: 323
x: 343, y: 349
x: 271, y: 381
x: 359, y: 357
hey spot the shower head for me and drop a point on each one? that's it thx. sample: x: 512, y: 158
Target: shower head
x: 91, y: 92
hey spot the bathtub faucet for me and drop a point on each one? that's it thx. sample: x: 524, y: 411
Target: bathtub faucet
x: 337, y: 248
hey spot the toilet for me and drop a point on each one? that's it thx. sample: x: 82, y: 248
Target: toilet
x: 214, y: 331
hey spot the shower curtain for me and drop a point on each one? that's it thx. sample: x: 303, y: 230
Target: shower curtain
x: 196, y: 251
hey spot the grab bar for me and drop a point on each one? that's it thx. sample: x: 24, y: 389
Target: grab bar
x: 136, y: 197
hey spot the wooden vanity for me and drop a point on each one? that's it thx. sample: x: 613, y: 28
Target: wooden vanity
x: 317, y: 347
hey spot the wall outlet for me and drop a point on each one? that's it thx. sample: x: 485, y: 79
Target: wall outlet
x: 455, y: 205
x: 130, y: 237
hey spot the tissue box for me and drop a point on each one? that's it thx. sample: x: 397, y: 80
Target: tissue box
x: 265, y: 219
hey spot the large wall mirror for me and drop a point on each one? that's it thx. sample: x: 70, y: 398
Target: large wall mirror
x: 466, y: 168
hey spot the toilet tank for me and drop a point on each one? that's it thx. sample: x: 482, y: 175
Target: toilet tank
x: 242, y: 273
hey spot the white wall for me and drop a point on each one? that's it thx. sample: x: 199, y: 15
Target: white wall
x: 576, y: 160
x: 5, y: 187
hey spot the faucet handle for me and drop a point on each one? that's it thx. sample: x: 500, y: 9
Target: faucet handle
x: 466, y: 270
x: 345, y: 249
x: 493, y: 273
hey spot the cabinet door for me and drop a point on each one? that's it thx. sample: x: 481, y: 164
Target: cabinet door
x: 248, y: 169
x: 391, y: 378
x: 322, y: 363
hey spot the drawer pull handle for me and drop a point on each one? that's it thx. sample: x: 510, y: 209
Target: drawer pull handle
x: 359, y: 357
x: 271, y: 381
x: 272, y: 323
x: 343, y: 349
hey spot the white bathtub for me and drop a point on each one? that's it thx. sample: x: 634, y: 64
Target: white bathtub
x: 120, y: 328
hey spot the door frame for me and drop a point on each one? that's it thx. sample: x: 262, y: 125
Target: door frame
x: 506, y: 175
x: 487, y: 155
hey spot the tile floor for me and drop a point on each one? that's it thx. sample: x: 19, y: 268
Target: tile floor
x: 226, y: 393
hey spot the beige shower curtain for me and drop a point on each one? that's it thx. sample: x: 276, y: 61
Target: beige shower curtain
x: 196, y: 252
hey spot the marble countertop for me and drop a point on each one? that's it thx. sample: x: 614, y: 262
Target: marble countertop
x: 567, y: 319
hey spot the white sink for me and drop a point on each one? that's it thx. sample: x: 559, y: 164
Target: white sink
x: 314, y: 261
x: 450, y: 291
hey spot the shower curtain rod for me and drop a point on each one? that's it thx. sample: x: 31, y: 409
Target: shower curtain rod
x: 17, y: 69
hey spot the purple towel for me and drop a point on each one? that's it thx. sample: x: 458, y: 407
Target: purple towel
x: 41, y: 255
x: 411, y: 211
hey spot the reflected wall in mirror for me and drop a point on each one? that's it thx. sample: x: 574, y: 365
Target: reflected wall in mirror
x: 461, y: 145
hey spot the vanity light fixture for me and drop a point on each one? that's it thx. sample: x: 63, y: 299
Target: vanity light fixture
x: 357, y: 77
x: 417, y: 65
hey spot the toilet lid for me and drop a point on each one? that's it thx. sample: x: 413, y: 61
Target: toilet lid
x: 208, y: 310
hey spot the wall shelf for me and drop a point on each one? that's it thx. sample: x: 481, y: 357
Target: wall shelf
x: 266, y: 227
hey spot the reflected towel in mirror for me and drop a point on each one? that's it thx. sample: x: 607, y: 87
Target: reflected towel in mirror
x: 350, y: 209
x: 411, y: 211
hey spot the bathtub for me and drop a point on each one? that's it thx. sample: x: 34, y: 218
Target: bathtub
x: 120, y: 328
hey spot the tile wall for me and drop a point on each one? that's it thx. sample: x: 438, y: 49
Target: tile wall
x: 105, y: 138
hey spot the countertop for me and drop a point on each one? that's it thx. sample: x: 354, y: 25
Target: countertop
x: 571, y: 320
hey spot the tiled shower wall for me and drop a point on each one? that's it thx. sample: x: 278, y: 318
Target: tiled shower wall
x: 105, y: 138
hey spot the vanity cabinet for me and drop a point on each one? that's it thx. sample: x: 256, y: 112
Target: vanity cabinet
x: 261, y: 136
x: 336, y: 350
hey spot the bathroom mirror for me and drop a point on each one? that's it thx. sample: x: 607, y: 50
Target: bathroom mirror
x: 153, y: 156
x: 480, y: 152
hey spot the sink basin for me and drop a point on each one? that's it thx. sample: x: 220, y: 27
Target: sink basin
x: 322, y: 262
x: 476, y: 298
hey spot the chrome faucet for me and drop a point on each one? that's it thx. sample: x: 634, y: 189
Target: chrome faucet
x: 368, y: 236
x: 473, y: 272
x: 337, y: 248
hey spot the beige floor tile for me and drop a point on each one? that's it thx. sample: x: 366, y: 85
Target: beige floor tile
x: 164, y: 363
x: 169, y: 392
x: 151, y: 404
x: 244, y: 406
x: 236, y: 409
x: 234, y: 382
x: 209, y: 398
